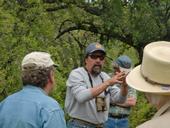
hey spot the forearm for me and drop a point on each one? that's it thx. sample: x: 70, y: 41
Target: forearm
x: 83, y: 95
x: 103, y: 86
x: 116, y: 96
x: 124, y: 90
x: 130, y: 102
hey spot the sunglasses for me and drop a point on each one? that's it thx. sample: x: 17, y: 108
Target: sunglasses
x: 93, y: 56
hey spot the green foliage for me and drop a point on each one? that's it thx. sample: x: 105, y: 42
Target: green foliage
x: 141, y: 112
x: 59, y: 91
x: 145, y: 26
x: 113, y: 13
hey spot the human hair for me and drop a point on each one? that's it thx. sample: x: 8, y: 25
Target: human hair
x: 37, y: 77
x: 157, y: 99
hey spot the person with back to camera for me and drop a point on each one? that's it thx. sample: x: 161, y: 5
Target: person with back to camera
x: 88, y: 91
x: 152, y: 78
x: 32, y: 107
x: 118, y: 113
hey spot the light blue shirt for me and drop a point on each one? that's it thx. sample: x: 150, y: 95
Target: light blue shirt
x: 31, y: 108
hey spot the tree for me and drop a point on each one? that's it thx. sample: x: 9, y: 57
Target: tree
x: 134, y: 22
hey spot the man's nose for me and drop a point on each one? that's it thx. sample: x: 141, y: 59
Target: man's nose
x: 98, y: 59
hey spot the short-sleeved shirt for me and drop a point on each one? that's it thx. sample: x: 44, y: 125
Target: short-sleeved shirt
x: 31, y: 108
x: 118, y: 110
x: 79, y: 102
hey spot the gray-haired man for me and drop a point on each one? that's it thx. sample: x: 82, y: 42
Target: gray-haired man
x: 32, y: 107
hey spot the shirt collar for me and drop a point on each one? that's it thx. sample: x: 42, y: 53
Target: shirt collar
x: 31, y: 87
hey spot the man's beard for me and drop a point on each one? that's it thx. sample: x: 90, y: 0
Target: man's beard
x: 96, y: 70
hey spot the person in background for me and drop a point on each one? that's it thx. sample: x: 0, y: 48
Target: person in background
x: 31, y: 107
x: 118, y: 113
x: 152, y: 78
x: 89, y: 91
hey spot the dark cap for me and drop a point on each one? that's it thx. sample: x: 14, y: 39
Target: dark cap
x: 124, y: 61
x: 94, y: 47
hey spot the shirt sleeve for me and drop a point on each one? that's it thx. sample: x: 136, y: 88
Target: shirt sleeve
x: 115, y: 95
x: 79, y: 87
x: 132, y: 92
x: 55, y: 119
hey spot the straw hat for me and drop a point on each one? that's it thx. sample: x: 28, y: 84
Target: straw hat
x: 153, y: 75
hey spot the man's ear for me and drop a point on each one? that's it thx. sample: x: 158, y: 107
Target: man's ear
x: 51, y: 77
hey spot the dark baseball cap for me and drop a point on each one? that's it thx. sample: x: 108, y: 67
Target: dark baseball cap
x: 93, y: 47
x: 124, y: 63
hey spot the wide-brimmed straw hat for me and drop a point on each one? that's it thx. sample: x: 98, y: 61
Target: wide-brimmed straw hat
x: 153, y: 75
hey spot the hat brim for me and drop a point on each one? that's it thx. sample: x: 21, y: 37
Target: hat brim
x: 136, y: 81
x: 100, y: 50
x: 125, y: 70
x: 56, y: 65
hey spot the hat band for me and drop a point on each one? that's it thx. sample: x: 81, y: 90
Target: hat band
x: 151, y: 81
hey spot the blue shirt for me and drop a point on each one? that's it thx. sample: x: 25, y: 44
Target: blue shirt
x: 31, y: 108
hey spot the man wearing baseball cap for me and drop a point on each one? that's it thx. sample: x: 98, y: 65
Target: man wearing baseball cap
x: 118, y: 113
x: 88, y: 90
x: 32, y: 107
x: 152, y: 78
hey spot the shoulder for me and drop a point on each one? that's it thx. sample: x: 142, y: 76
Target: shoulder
x: 155, y: 123
x: 79, y: 70
x: 12, y: 96
x: 105, y: 75
x: 49, y: 104
x: 77, y: 74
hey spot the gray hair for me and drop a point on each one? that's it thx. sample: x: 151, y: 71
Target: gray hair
x: 157, y: 99
x: 36, y: 77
